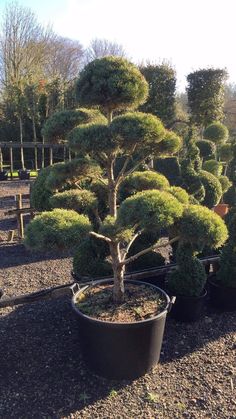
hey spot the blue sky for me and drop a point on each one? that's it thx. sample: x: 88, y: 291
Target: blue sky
x: 190, y: 34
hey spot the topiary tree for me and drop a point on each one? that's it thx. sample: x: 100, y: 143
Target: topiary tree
x: 197, y: 228
x: 226, y: 274
x: 206, y: 96
x: 213, y: 166
x: 216, y: 132
x: 225, y: 183
x: 114, y: 84
x: 170, y: 168
x: 213, y: 189
x: 207, y: 149
x: 162, y: 84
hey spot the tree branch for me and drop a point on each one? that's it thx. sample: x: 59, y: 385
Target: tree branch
x: 100, y: 236
x: 149, y: 249
x: 126, y: 249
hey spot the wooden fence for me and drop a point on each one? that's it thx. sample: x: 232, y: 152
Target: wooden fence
x: 46, y: 157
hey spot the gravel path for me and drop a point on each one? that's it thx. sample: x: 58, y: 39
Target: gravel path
x: 43, y: 375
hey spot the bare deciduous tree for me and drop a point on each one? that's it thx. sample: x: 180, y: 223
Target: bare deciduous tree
x: 99, y: 48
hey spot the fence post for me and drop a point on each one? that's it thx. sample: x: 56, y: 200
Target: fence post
x: 51, y: 156
x: 20, y: 222
x: 11, y: 161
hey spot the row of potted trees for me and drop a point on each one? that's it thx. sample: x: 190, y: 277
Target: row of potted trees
x: 97, y: 213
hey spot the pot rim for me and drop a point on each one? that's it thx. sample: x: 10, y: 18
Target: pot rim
x: 106, y: 322
x: 192, y: 297
x: 212, y: 282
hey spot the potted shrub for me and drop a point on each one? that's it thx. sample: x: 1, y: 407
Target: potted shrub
x: 24, y: 174
x: 222, y: 284
x: 121, y: 324
x: 197, y: 228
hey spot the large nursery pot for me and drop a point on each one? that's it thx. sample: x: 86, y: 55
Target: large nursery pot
x: 188, y: 309
x: 121, y: 350
x: 221, y: 297
x: 3, y: 175
x: 24, y: 174
x: 221, y: 209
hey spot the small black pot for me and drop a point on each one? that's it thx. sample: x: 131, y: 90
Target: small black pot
x: 188, y: 309
x: 3, y: 175
x: 24, y: 174
x: 121, y: 350
x: 223, y: 298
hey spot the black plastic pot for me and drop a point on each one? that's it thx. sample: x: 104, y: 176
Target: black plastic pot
x: 24, y: 174
x: 121, y: 350
x: 188, y: 309
x: 3, y: 175
x: 223, y: 298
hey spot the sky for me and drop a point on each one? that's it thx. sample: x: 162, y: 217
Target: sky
x: 189, y: 34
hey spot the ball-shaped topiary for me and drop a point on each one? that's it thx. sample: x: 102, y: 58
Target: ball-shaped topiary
x: 79, y: 200
x: 170, y: 168
x: 225, y: 183
x: 207, y: 148
x: 150, y: 210
x: 61, y: 123
x: 213, y: 189
x: 170, y: 144
x: 57, y: 230
x: 112, y: 83
x: 40, y: 193
x: 225, y: 152
x: 213, y: 166
x: 226, y: 275
x: 216, y: 132
x: 140, y: 181
x: 201, y: 227
x: 191, y: 181
x: 190, y: 277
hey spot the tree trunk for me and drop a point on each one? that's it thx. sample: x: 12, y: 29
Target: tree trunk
x: 118, y: 271
x: 112, y: 197
x: 21, y: 141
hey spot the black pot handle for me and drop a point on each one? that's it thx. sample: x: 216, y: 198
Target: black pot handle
x: 172, y: 301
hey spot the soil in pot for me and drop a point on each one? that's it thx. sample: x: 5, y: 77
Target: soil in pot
x: 221, y: 297
x: 188, y: 309
x: 121, y: 341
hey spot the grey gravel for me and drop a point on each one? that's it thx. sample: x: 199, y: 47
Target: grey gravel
x: 43, y: 375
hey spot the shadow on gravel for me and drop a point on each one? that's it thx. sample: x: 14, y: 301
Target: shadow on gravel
x: 16, y: 254
x: 181, y: 339
x: 42, y: 373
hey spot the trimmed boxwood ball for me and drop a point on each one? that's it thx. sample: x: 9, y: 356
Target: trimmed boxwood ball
x: 92, y: 138
x: 59, y: 229
x: 40, y: 193
x: 213, y: 166
x: 90, y: 259
x: 207, y: 148
x: 213, y: 189
x: 140, y: 181
x: 61, y: 123
x: 225, y: 152
x: 180, y: 194
x: 202, y: 228
x: 112, y: 83
x: 192, y: 182
x: 152, y: 209
x: 170, y: 144
x: 81, y: 201
x: 190, y: 277
x: 144, y: 131
x: 216, y: 132
x: 225, y: 183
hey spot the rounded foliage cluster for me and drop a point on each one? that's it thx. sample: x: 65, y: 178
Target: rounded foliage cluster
x: 61, y: 123
x: 225, y: 183
x: 230, y: 196
x: 213, y: 166
x: 207, y: 148
x: 150, y: 210
x: 226, y: 274
x: 216, y: 132
x: 190, y: 277
x: 92, y: 139
x: 180, y: 194
x: 140, y: 181
x: 40, y: 193
x: 202, y: 227
x: 79, y: 200
x: 56, y: 230
x: 213, y: 189
x: 112, y: 83
x: 170, y: 144
x: 169, y: 167
x: 225, y: 152
x: 191, y: 181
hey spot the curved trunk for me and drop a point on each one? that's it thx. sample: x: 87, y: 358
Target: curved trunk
x: 118, y: 271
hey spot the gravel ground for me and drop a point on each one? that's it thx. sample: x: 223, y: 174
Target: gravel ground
x: 42, y: 372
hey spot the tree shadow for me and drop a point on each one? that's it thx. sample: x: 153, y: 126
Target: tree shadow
x: 42, y: 372
x: 15, y: 254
